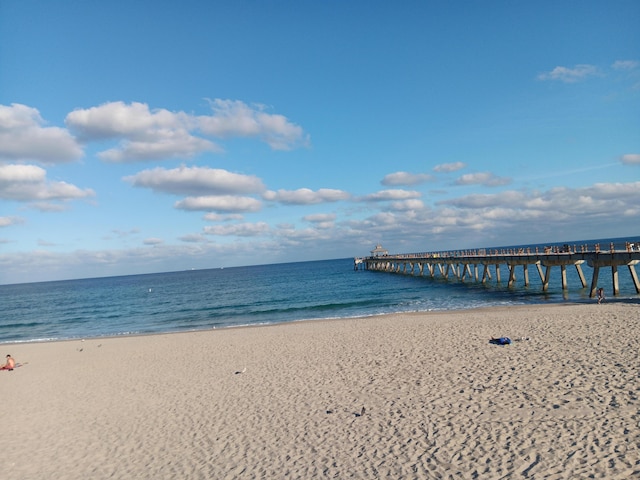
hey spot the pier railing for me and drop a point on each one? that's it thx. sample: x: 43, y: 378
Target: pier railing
x: 467, y: 264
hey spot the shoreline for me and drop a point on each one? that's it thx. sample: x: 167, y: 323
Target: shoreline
x: 626, y: 300
x: 286, y: 400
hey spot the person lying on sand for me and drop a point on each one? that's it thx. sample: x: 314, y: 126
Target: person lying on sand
x: 10, y: 364
x: 500, y: 341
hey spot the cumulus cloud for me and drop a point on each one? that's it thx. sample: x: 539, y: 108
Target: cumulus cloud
x: 512, y: 198
x: 320, y: 217
x: 166, y: 144
x: 534, y: 216
x: 238, y: 229
x: 570, y: 75
x: 155, y: 134
x: 407, y: 205
x: 631, y: 159
x: 290, y: 237
x: 561, y: 201
x: 384, y: 219
x: 321, y: 220
x: 389, y: 195
x: 482, y: 178
x: 29, y: 183
x: 405, y: 178
x: 305, y: 196
x: 24, y: 136
x: 609, y: 191
x: 219, y: 203
x: 144, y: 134
x: 195, y: 181
x: 449, y: 167
x: 118, y: 119
x: 233, y: 118
x: 557, y: 214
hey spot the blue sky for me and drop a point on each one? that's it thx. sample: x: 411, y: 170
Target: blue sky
x: 140, y: 137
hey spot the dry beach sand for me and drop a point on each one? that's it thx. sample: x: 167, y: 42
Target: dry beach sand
x: 440, y: 401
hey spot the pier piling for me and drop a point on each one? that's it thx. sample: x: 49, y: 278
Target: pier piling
x: 466, y: 264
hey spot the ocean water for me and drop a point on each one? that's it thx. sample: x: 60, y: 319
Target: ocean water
x: 265, y: 294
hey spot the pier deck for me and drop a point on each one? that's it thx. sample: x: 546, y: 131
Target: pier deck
x: 474, y: 264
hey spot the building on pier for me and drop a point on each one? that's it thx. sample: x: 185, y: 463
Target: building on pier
x: 379, y: 251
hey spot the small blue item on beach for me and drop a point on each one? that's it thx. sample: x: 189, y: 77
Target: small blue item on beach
x: 500, y: 341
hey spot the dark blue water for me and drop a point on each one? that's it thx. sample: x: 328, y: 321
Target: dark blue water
x: 205, y: 299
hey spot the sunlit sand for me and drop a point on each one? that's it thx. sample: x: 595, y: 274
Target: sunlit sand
x: 420, y: 395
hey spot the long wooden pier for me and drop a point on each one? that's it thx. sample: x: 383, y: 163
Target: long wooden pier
x: 475, y: 265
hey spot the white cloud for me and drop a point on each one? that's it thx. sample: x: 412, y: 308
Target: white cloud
x: 610, y: 191
x: 407, y: 205
x: 29, y: 183
x: 511, y: 198
x: 514, y: 217
x: 321, y: 220
x: 449, y: 167
x: 146, y: 134
x: 219, y: 203
x: 631, y: 159
x: 587, y: 201
x: 625, y: 65
x: 570, y: 75
x: 195, y: 181
x: 238, y: 229
x: 395, y: 194
x: 305, y: 196
x: 23, y: 137
x: 233, y: 118
x: 483, y: 220
x: 216, y: 217
x: 290, y: 237
x: 384, y: 218
x: 8, y: 221
x: 320, y: 217
x: 169, y: 144
x: 118, y: 119
x: 405, y: 178
x: 482, y: 178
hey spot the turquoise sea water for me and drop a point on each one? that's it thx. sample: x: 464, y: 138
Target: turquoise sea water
x: 265, y: 294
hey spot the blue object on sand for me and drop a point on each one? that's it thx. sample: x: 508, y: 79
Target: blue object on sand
x: 500, y: 341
